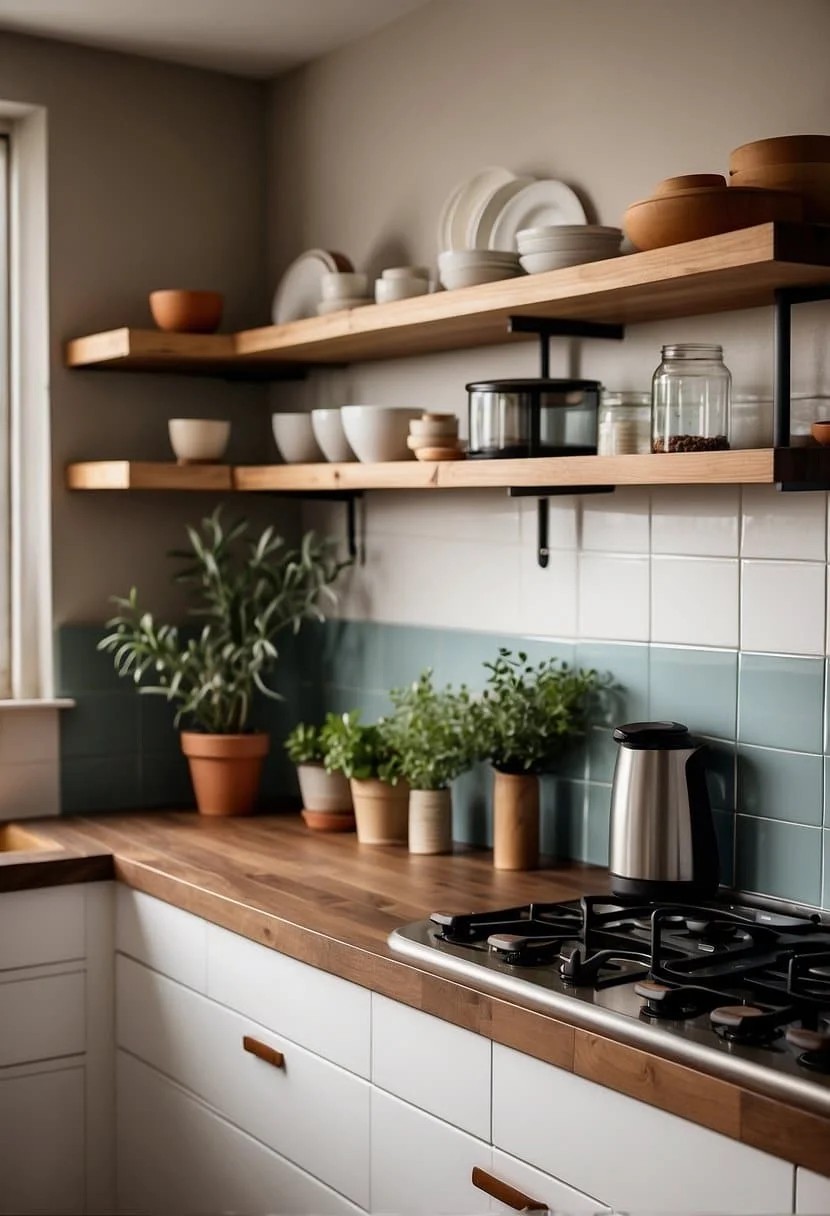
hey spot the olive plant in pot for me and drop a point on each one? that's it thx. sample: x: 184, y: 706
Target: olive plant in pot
x: 434, y: 734
x: 327, y: 799
x: 529, y: 716
x: 244, y: 593
x: 365, y: 755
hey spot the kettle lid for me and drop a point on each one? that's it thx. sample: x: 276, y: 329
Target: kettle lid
x: 663, y: 736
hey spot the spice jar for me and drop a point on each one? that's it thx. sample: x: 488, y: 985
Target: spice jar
x: 690, y: 400
x: 624, y: 423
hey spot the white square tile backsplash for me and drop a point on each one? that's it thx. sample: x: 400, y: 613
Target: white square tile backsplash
x: 547, y: 596
x: 783, y: 525
x: 613, y: 597
x: 783, y: 607
x: 616, y: 523
x: 698, y: 521
x: 694, y: 601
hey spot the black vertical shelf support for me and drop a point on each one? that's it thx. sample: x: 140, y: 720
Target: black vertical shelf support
x: 546, y: 328
x: 785, y: 298
x: 349, y: 497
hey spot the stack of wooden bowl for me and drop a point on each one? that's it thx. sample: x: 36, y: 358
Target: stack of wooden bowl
x: 435, y: 437
x: 797, y: 164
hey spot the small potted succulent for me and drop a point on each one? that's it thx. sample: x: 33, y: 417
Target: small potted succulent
x: 434, y: 734
x: 244, y: 593
x: 528, y: 718
x: 327, y: 799
x: 364, y: 754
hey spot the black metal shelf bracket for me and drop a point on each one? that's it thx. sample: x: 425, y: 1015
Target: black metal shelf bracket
x: 349, y: 497
x: 785, y: 298
x: 547, y: 328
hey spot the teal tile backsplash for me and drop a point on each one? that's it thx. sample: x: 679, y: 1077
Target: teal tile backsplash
x: 762, y: 716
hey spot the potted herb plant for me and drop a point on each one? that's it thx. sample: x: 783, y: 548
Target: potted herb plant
x: 327, y: 799
x: 528, y: 717
x: 244, y: 593
x: 364, y: 754
x: 433, y: 732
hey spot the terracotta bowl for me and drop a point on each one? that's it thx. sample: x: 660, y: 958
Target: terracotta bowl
x: 187, y: 312
x: 689, y: 215
x: 783, y: 150
x: 821, y: 432
x: 809, y: 181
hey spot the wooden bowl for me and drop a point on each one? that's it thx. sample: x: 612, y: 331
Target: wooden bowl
x: 690, y: 181
x: 821, y: 433
x: 783, y: 150
x: 186, y: 312
x: 689, y: 215
x: 809, y: 181
x: 456, y: 453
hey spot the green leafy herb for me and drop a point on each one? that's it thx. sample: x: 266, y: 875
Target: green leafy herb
x: 361, y: 750
x: 433, y: 731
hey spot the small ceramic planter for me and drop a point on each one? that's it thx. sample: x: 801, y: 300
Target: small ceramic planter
x: 225, y: 770
x: 430, y: 821
x: 381, y: 811
x: 327, y: 799
x: 515, y: 821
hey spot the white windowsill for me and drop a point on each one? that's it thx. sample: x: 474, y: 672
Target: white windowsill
x: 32, y: 703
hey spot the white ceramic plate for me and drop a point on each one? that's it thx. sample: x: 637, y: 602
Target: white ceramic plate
x: 540, y: 203
x: 464, y: 203
x: 300, y: 289
x: 488, y: 210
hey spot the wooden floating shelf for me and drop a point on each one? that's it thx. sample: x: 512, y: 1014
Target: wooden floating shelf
x: 755, y: 466
x: 736, y: 270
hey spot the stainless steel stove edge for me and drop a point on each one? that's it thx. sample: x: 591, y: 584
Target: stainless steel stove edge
x: 643, y: 1035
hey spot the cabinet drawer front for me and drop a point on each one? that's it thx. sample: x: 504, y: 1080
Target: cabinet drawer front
x: 165, y: 938
x: 313, y: 1113
x: 43, y: 926
x: 812, y: 1191
x: 593, y: 1139
x: 432, y: 1064
x: 175, y: 1156
x: 42, y: 1142
x: 42, y: 1018
x: 328, y: 1015
x: 421, y: 1165
x: 540, y: 1187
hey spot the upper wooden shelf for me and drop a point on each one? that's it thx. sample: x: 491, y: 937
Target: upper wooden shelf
x: 757, y: 466
x: 737, y: 270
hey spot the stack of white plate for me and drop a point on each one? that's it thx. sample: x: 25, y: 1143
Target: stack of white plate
x: 552, y: 246
x: 469, y: 267
x: 488, y: 209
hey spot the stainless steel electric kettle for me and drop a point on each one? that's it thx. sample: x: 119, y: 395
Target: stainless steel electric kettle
x: 663, y: 843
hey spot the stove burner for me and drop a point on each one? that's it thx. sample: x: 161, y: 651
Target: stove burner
x: 744, y: 1023
x: 660, y: 1001
x: 711, y: 930
x: 815, y: 1046
x: 516, y: 950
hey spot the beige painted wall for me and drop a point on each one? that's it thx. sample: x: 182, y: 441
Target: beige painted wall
x: 156, y: 179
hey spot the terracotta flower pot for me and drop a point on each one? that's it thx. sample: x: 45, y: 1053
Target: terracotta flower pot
x: 430, y: 821
x: 225, y: 770
x: 381, y: 811
x: 515, y: 821
x: 327, y: 799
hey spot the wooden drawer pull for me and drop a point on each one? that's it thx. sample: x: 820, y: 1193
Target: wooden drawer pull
x: 505, y: 1193
x: 263, y: 1052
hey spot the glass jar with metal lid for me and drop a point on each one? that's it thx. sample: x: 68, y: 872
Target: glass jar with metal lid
x: 624, y: 423
x: 691, y: 392
x: 511, y: 418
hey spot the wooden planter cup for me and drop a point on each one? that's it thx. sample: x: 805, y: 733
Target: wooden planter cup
x: 381, y: 811
x: 430, y: 821
x: 515, y: 821
x: 225, y: 770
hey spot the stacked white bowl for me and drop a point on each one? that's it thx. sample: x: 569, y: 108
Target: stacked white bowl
x: 470, y: 267
x: 343, y: 289
x: 557, y: 245
x: 401, y: 283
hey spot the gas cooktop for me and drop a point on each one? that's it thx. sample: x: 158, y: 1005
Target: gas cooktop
x: 738, y: 990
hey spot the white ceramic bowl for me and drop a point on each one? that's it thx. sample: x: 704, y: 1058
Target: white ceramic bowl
x: 295, y: 438
x: 472, y: 276
x: 378, y: 432
x: 406, y: 272
x: 330, y: 306
x: 327, y: 426
x: 399, y: 289
x: 602, y: 249
x: 198, y: 440
x: 538, y: 263
x: 565, y: 232
x: 345, y: 285
x: 458, y: 258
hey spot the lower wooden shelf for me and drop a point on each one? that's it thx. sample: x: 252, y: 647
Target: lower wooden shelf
x: 796, y: 467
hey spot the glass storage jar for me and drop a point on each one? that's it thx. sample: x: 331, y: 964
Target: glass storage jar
x: 510, y: 418
x: 624, y: 423
x: 690, y: 396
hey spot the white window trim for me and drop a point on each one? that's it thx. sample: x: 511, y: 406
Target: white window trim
x: 32, y: 671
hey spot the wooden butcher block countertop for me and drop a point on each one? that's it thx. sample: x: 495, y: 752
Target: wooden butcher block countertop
x: 327, y: 901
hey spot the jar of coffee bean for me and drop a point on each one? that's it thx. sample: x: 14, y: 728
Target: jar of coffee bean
x: 691, y: 392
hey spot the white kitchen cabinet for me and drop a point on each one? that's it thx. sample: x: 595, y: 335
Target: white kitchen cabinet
x: 43, y: 926
x: 310, y: 1111
x: 597, y: 1141
x: 538, y: 1187
x: 45, y: 1014
x: 167, y: 939
x: 177, y: 1157
x: 420, y: 1165
x: 439, y: 1067
x: 812, y: 1191
x: 42, y: 1140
